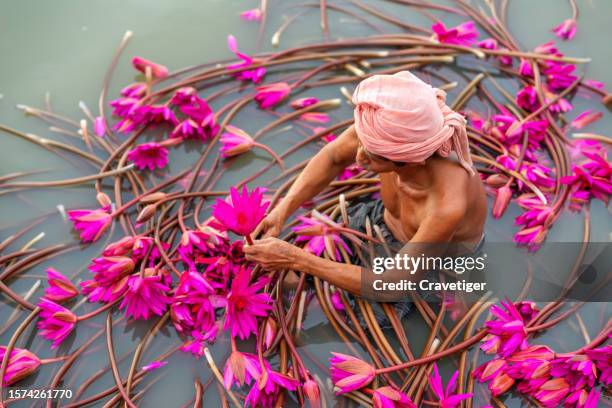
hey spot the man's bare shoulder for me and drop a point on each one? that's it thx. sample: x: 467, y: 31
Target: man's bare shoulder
x: 344, y: 147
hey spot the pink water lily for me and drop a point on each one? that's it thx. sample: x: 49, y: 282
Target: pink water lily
x: 21, y: 364
x: 240, y: 368
x: 303, y: 102
x: 566, y: 30
x: 270, y: 383
x: 506, y: 333
x: 464, y: 34
x: 56, y: 322
x: 527, y: 99
x: 149, y: 155
x: 91, y: 224
x: 193, y: 304
x: 602, y: 357
x: 145, y: 297
x: 60, y: 287
x: 318, y: 117
x: 100, y: 126
x: 254, y: 75
x: 243, y: 212
x: 586, y: 118
x: 268, y: 96
x: 251, y: 15
x: 245, y: 304
x: 494, y: 373
x: 312, y: 393
x: 196, y: 345
x: 559, y: 76
x: 236, y: 141
x: 319, y: 234
x: 389, y: 397
x: 447, y: 397
x: 141, y: 64
x: 349, y: 373
x: 154, y: 365
x: 583, y: 399
x: 552, y: 392
x: 502, y: 199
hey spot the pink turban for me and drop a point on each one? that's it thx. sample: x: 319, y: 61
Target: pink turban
x: 401, y: 118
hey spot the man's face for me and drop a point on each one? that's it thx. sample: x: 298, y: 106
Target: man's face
x: 373, y: 162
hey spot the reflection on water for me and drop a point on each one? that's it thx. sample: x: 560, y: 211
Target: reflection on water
x: 63, y: 47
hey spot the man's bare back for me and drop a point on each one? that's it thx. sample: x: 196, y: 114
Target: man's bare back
x: 406, y: 205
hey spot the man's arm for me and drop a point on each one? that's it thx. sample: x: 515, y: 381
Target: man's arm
x: 320, y: 171
x: 438, y: 229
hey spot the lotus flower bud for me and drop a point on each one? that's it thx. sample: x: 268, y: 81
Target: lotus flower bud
x: 504, y: 195
x: 496, y: 180
x: 103, y: 199
x: 153, y: 197
x: 146, y: 213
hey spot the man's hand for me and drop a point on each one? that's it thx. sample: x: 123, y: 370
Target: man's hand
x: 272, y: 225
x: 273, y: 254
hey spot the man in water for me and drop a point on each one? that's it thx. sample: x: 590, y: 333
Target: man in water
x: 430, y: 192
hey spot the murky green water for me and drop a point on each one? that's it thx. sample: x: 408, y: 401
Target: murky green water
x: 63, y: 48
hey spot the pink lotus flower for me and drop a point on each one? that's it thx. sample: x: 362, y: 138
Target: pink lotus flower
x: 251, y: 15
x: 525, y: 68
x: 149, y: 155
x: 56, y: 322
x: 464, y: 34
x: 255, y: 75
x: 236, y: 141
x: 60, y: 288
x: 559, y: 76
x: 527, y: 99
x: 100, y: 126
x: 447, y: 397
x: 548, y: 48
x: 560, y: 106
x: 583, y: 399
x: 566, y: 30
x: 389, y: 397
x: 196, y: 345
x: 506, y: 334
x: 193, y: 304
x: 244, y: 211
x: 494, y: 373
x: 350, y: 171
x: 91, y: 224
x: 349, y: 373
x: 154, y: 365
x: 502, y: 199
x: 318, y: 117
x: 603, y: 362
x: 320, y: 235
x: 21, y: 364
x: 531, y: 237
x: 119, y: 248
x: 303, y: 102
x: 312, y: 393
x: 270, y: 384
x: 158, y: 71
x: 145, y: 297
x: 586, y: 118
x: 552, y: 392
x: 268, y: 96
x: 245, y: 305
x: 528, y: 310
x: 186, y: 95
x: 240, y: 368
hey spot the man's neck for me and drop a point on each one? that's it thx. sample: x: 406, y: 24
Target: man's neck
x: 417, y: 177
